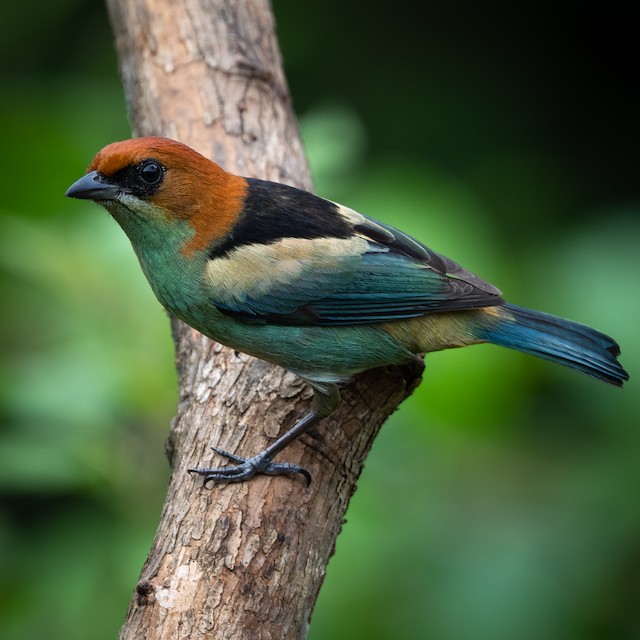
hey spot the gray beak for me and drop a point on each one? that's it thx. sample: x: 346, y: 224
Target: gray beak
x: 93, y: 186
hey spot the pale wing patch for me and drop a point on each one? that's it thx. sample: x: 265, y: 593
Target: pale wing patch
x: 365, y: 227
x: 352, y: 217
x: 253, y: 271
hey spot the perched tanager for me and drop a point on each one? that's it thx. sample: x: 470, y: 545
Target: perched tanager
x: 306, y: 283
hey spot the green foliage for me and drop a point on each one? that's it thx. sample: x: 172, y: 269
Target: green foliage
x: 500, y: 500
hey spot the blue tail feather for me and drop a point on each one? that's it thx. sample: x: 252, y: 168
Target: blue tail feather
x: 569, y: 343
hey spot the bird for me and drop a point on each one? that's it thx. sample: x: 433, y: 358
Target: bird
x: 306, y: 283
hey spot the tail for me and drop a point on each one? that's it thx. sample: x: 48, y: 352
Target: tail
x: 569, y: 343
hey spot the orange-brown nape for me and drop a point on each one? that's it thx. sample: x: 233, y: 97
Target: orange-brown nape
x: 194, y: 187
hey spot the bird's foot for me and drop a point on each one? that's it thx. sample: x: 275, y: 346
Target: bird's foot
x: 249, y: 467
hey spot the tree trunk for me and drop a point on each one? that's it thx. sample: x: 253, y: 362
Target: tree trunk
x: 241, y: 560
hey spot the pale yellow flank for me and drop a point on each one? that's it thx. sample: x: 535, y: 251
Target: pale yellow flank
x: 437, y: 331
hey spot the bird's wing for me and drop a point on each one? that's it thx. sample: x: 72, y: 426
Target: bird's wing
x: 370, y: 273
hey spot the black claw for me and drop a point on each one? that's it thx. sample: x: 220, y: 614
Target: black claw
x: 306, y: 474
x: 326, y: 400
x: 246, y: 468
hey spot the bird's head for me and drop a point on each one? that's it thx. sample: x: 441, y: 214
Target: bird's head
x: 155, y: 187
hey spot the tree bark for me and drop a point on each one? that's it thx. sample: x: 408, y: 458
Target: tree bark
x: 242, y: 560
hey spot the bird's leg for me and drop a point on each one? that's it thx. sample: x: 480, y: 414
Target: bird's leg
x: 326, y: 398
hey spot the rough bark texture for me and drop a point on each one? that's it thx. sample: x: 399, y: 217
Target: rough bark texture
x: 237, y: 561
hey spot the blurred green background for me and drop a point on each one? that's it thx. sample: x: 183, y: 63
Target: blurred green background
x: 505, y: 137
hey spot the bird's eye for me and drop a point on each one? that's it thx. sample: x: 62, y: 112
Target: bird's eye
x: 151, y: 172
